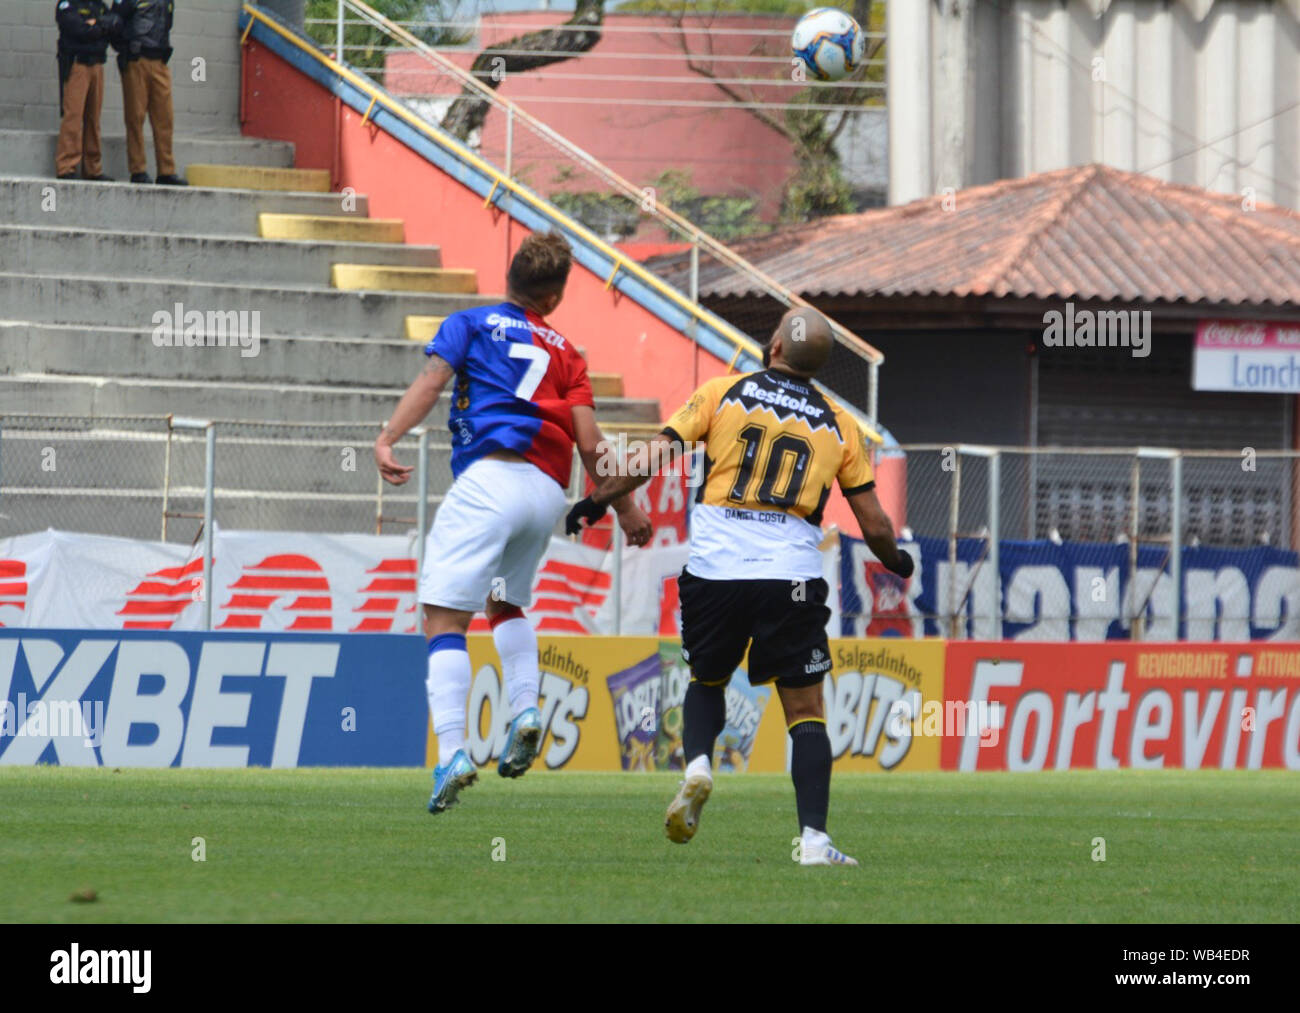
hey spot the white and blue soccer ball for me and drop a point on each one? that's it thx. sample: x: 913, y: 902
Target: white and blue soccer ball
x: 829, y: 43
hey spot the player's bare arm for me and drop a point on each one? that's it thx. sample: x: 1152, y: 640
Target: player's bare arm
x: 878, y: 532
x: 610, y: 487
x: 419, y: 399
x: 590, y: 440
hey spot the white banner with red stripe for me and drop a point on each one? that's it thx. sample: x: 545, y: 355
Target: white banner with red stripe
x: 288, y: 581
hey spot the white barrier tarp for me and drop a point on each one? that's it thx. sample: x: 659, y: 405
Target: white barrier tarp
x: 288, y: 581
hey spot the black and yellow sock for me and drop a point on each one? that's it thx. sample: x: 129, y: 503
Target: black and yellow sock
x: 810, y: 769
x: 704, y: 713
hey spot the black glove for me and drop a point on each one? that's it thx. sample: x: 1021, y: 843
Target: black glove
x: 583, y: 509
x: 905, y: 566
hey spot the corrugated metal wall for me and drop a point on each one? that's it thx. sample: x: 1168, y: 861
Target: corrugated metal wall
x: 1203, y: 92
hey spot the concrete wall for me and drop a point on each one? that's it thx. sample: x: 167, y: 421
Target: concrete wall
x: 722, y: 150
x: 29, y: 80
x: 1202, y: 92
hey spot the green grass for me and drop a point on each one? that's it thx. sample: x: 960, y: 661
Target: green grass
x: 357, y: 845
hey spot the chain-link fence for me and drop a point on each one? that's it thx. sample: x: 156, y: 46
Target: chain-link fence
x: 104, y: 475
x: 1089, y: 543
x: 148, y: 476
x: 1046, y: 543
x: 1086, y: 494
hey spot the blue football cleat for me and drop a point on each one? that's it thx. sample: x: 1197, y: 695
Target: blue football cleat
x: 449, y: 781
x: 522, y: 744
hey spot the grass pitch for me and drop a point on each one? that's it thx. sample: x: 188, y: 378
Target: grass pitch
x: 357, y: 845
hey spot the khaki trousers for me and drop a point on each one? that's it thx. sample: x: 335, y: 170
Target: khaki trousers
x: 147, y: 88
x: 83, y: 98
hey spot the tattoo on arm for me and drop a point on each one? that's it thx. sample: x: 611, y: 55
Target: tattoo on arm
x: 438, y: 365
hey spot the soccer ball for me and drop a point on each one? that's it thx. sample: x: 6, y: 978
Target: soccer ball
x: 828, y: 42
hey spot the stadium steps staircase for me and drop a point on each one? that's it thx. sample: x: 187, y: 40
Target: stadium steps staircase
x: 344, y: 305
x: 391, y: 278
x: 259, y: 177
x: 31, y: 152
x: 331, y: 227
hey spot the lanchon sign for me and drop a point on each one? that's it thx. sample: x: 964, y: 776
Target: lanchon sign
x: 1247, y: 356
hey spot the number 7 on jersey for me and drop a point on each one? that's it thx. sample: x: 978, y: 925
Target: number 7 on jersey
x: 538, y: 360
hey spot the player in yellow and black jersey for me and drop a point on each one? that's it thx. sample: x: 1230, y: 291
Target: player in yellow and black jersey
x: 773, y: 448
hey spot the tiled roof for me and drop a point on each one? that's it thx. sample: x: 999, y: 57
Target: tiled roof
x: 1089, y: 232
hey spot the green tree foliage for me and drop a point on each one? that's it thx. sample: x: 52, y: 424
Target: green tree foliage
x: 818, y: 186
x: 615, y: 217
x: 520, y: 54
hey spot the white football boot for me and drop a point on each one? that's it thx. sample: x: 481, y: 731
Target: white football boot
x: 817, y: 850
x: 683, y: 817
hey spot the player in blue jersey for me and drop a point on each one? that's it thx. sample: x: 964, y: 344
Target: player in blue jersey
x: 520, y: 402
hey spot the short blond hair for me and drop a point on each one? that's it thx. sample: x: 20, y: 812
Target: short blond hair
x: 541, y: 265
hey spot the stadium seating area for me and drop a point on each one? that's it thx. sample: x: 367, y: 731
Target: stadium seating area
x: 343, y: 306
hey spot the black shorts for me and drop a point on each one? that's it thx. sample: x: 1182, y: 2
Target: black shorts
x: 784, y: 619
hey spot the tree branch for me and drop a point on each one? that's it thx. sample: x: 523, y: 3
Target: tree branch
x: 519, y: 54
x: 692, y: 63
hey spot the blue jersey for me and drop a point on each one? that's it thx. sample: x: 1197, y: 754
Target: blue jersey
x: 517, y: 381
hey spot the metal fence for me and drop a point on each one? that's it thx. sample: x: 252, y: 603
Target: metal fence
x: 174, y: 479
x: 1141, y: 495
x: 146, y: 476
x: 158, y: 476
x: 1139, y: 512
x: 149, y: 476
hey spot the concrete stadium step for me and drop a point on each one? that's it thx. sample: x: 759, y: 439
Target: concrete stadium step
x: 250, y: 177
x: 230, y: 259
x: 606, y: 384
x: 80, y: 349
x: 328, y: 462
x: 421, y: 329
x: 121, y: 516
x: 31, y: 152
x: 331, y: 228
x: 386, y: 278
x: 72, y: 350
x: 99, y: 396
x: 283, y: 310
x: 177, y: 209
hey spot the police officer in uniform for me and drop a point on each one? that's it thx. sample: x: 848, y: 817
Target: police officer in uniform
x: 85, y: 27
x: 144, y: 47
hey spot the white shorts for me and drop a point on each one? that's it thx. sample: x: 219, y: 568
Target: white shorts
x: 489, y: 536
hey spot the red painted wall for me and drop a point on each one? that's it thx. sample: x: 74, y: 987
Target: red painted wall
x: 619, y: 335
x: 645, y: 119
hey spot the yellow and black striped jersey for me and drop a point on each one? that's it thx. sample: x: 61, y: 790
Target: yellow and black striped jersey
x: 773, y: 447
